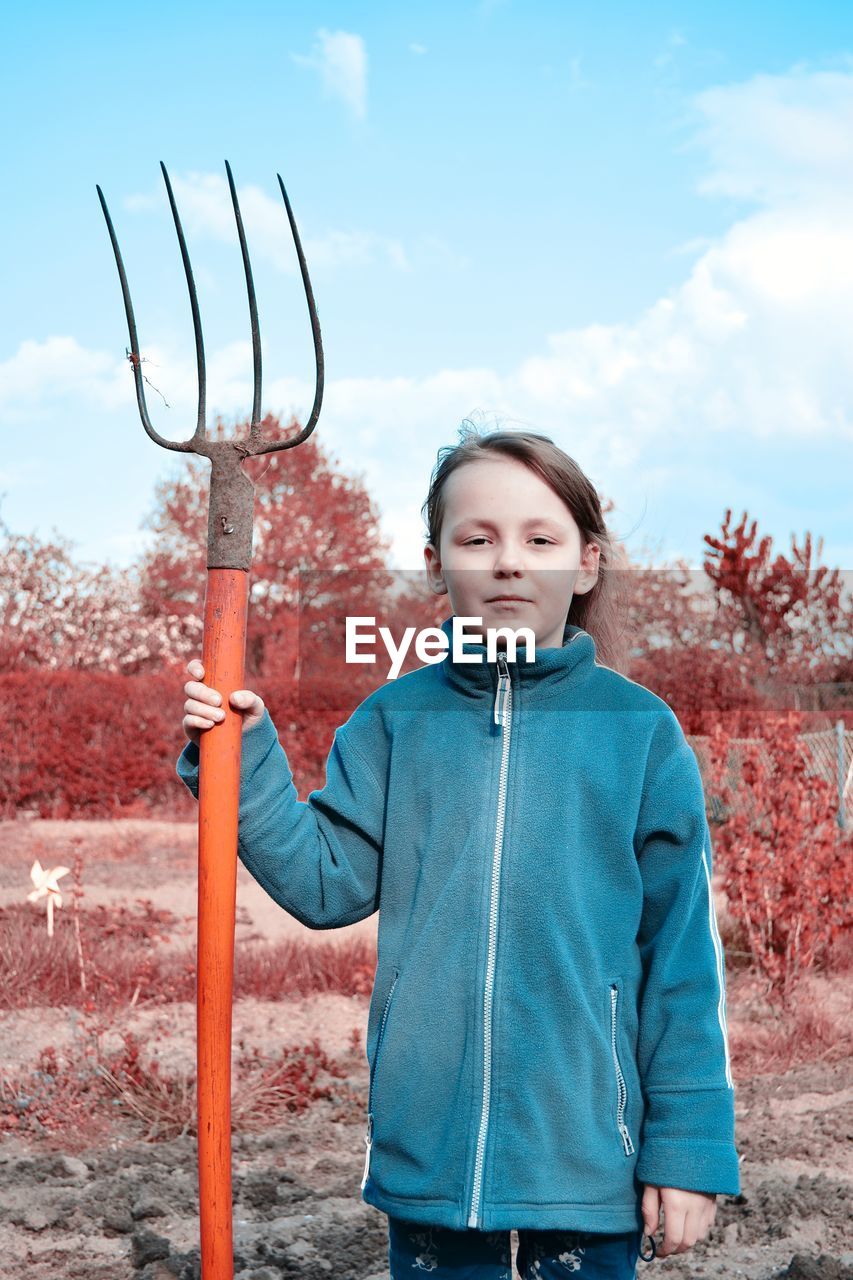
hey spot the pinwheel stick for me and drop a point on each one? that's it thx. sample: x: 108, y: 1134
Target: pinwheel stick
x: 229, y: 556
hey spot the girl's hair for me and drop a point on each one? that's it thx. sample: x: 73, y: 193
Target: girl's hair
x: 599, y: 611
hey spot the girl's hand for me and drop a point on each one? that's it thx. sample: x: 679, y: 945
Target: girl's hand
x: 687, y: 1216
x: 203, y: 707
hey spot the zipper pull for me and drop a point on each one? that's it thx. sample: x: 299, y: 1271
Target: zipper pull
x: 368, y: 1142
x: 502, y: 690
x: 626, y: 1139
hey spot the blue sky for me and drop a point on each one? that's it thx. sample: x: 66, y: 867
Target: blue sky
x: 627, y: 226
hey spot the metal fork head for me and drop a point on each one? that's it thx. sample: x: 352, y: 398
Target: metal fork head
x: 231, y: 489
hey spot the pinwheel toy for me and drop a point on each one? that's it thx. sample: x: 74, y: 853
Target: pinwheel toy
x: 46, y: 887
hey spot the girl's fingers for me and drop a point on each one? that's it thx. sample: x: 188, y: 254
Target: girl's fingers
x: 199, y: 722
x: 209, y: 706
x: 203, y: 707
x: 202, y: 693
x: 194, y: 707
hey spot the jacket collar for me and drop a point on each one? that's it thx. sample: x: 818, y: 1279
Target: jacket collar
x: 549, y: 669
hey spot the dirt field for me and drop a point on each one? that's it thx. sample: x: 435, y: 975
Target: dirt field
x: 101, y: 1202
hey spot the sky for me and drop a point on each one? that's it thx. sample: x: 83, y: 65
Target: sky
x: 627, y: 227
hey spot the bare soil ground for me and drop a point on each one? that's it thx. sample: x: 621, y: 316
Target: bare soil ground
x: 107, y: 1205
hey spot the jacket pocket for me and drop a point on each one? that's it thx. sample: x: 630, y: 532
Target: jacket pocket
x: 621, y: 1088
x: 382, y: 1023
x: 368, y: 1139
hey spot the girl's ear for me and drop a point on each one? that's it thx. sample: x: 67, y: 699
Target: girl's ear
x: 435, y: 575
x: 588, y: 571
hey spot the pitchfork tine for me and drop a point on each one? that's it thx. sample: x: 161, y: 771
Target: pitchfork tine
x: 315, y: 326
x: 183, y: 446
x: 199, y: 340
x: 253, y: 311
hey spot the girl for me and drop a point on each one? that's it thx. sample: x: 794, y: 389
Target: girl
x: 547, y: 1034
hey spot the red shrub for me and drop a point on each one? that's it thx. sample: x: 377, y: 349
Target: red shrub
x: 786, y: 865
x: 51, y: 1097
x: 83, y: 744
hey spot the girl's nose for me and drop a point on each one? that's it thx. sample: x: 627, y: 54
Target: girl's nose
x: 508, y: 559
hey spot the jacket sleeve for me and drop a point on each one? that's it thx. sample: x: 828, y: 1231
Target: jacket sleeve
x: 688, y: 1137
x: 319, y: 858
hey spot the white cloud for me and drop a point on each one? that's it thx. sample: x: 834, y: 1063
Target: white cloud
x: 756, y: 339
x: 42, y: 375
x: 414, y: 47
x: 340, y: 59
x: 778, y: 139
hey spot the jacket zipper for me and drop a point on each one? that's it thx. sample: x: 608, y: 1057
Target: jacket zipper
x: 620, y: 1079
x: 502, y: 717
x: 368, y: 1140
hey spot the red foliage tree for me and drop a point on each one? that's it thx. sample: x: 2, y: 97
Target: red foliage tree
x: 56, y: 614
x: 318, y: 556
x: 788, y: 609
x: 729, y: 641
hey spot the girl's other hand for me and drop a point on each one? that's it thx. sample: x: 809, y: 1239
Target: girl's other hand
x: 203, y: 707
x: 687, y: 1217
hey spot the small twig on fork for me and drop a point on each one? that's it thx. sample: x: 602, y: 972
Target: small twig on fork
x: 136, y: 361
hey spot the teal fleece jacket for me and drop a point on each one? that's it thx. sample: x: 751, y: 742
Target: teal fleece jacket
x: 547, y: 1029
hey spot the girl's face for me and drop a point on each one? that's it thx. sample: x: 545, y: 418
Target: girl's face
x: 507, y: 533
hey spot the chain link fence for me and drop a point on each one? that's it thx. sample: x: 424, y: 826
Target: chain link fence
x: 828, y: 755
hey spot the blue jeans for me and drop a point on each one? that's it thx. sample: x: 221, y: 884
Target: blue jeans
x: 415, y: 1247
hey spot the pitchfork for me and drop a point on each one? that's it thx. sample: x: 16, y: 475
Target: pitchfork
x: 229, y: 558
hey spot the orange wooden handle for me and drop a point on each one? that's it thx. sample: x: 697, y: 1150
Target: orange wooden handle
x: 223, y: 657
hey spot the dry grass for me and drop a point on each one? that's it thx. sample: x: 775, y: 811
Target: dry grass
x: 816, y: 1025
x: 86, y: 1089
x: 129, y: 958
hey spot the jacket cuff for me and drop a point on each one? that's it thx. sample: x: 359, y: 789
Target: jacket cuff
x: 674, y: 1151
x: 255, y: 744
x: 187, y: 767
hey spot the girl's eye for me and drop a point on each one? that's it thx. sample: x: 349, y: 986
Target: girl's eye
x: 470, y: 542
